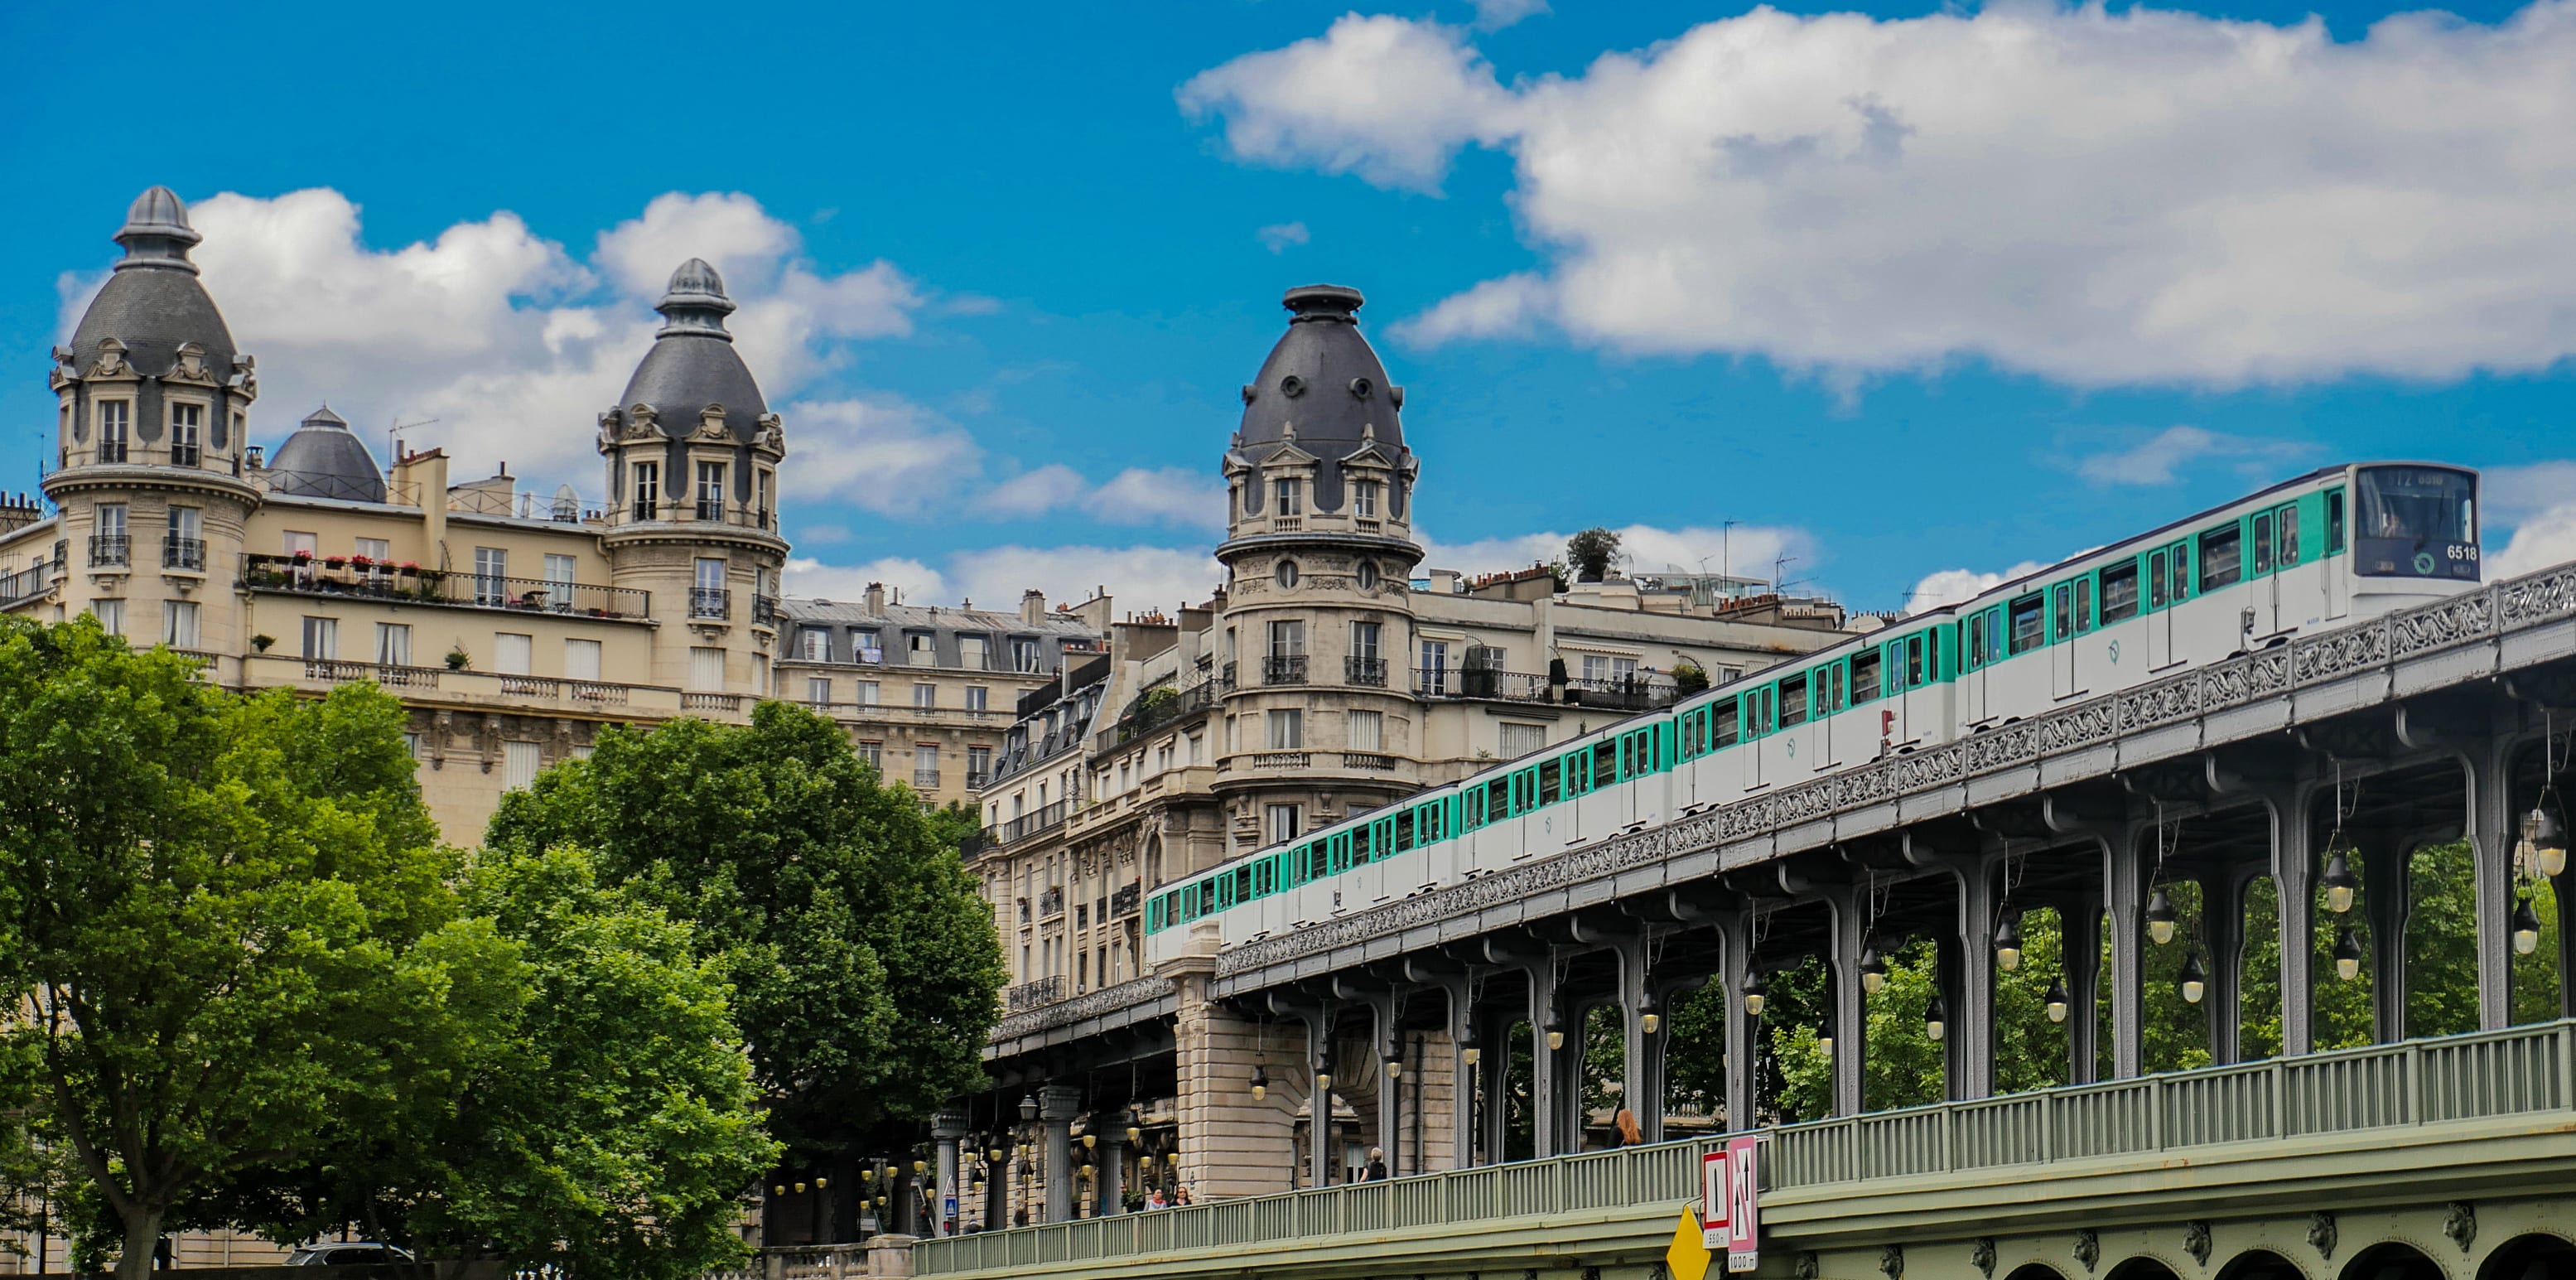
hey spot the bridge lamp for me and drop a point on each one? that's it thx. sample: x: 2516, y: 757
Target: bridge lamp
x: 1825, y: 1046
x: 800, y: 1188
x: 821, y: 1183
x: 778, y: 1190
x: 993, y: 1156
x: 1648, y: 1020
x: 1323, y: 1077
x: 2339, y: 882
x: 2057, y: 999
x: 2195, y: 979
x: 1469, y: 1052
x: 1936, y: 1017
x: 2160, y: 916
x: 2544, y: 842
x: 1753, y: 991
x: 1135, y: 1128
x: 1394, y: 1066
x: 1555, y: 1030
x: 2347, y: 954
x: 1260, y: 1082
x: 1029, y: 1108
x: 2008, y: 944
x: 1873, y: 971
x: 2526, y: 928
x: 1089, y: 1140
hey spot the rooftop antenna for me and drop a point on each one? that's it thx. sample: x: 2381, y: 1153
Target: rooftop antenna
x: 1777, y: 564
x: 393, y: 447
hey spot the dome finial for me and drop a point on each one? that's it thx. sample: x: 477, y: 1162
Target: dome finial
x: 695, y: 301
x: 1323, y: 302
x: 156, y: 231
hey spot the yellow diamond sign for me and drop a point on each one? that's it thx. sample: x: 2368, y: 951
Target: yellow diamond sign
x: 1687, y: 1258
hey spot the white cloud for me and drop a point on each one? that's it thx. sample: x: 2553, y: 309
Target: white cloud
x: 2095, y: 196
x: 880, y: 452
x: 1278, y: 236
x: 1178, y: 496
x: 1952, y: 586
x: 1494, y: 15
x: 1382, y: 97
x: 1139, y: 577
x: 499, y: 334
x: 2159, y: 458
x: 1747, y: 551
x: 1503, y: 307
x: 2537, y: 502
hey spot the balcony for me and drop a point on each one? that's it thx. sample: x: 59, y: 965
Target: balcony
x: 1287, y: 668
x: 977, y: 778
x: 710, y: 602
x: 1050, y: 904
x: 1369, y: 760
x: 462, y: 685
x: 1029, y: 824
x: 26, y: 584
x: 1480, y: 682
x: 1623, y: 693
x: 764, y: 611
x: 1122, y: 904
x: 1029, y: 995
x: 727, y: 703
x: 184, y: 553
x: 1156, y: 708
x: 925, y: 779
x: 1370, y: 672
x: 110, y: 551
x: 648, y: 511
x: 365, y: 579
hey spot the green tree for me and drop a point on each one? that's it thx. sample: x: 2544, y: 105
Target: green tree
x: 864, y: 966
x: 228, y: 914
x: 1594, y: 553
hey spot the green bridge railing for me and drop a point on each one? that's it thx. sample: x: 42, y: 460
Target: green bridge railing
x: 2483, y: 1075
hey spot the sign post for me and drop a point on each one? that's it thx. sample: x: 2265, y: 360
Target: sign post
x: 1743, y: 1215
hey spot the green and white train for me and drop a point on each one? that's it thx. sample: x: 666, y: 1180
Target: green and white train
x: 2328, y: 548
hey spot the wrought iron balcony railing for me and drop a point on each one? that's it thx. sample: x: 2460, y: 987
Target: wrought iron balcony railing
x: 110, y: 550
x: 410, y: 584
x: 1364, y: 671
x: 710, y: 602
x: 1284, y: 668
x: 183, y: 553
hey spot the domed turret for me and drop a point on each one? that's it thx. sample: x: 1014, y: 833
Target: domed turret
x: 152, y: 303
x: 324, y: 459
x: 1324, y: 392
x: 693, y: 366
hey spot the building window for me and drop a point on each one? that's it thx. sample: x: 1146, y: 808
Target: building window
x: 321, y: 638
x: 375, y: 550
x: 925, y: 765
x: 818, y: 690
x: 761, y: 480
x: 1198, y: 748
x: 708, y: 597
x: 111, y: 546
x: 581, y: 659
x: 925, y: 695
x: 648, y: 490
x: 1365, y: 638
x: 979, y: 766
x: 491, y: 574
x: 873, y: 753
x: 1596, y: 667
x: 760, y: 674
x: 186, y: 547
x: 1521, y: 739
x: 814, y: 644
x: 179, y: 624
x: 411, y: 745
x: 187, y: 426
x: 711, y: 490
x: 512, y: 653
x: 559, y: 580
x: 1282, y: 821
x: 1024, y: 655
x: 298, y: 543
x: 1285, y: 575
x: 393, y: 644
x: 864, y: 693
x: 1288, y: 638
x: 974, y: 653
x: 865, y: 646
x: 115, y: 427
x: 110, y: 615
x: 519, y: 764
x: 706, y: 669
x: 1364, y: 499
x: 1290, y: 496
x: 1433, y: 672
x: 978, y: 698
x: 921, y: 650
x: 1368, y: 731
x: 1287, y: 729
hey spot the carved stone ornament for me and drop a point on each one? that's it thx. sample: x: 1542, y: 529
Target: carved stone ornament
x: 111, y: 359
x: 711, y: 423
x: 2088, y: 1248
x: 1891, y: 1261
x: 2460, y: 1224
x: 2195, y: 1241
x: 1982, y: 1254
x: 1807, y: 1268
x: 642, y: 421
x: 2321, y: 1233
x: 191, y: 363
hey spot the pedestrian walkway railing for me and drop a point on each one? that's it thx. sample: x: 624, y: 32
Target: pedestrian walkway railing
x: 2481, y: 1076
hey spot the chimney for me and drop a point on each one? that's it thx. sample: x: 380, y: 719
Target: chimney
x: 876, y: 599
x: 1033, y: 606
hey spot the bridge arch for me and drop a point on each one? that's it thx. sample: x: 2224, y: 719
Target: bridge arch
x: 2260, y: 1264
x: 2393, y: 1261
x: 2037, y: 1271
x: 2537, y: 1256
x: 2145, y: 1266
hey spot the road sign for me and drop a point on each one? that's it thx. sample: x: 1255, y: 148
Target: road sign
x: 1716, y: 1201
x: 1744, y: 1216
x: 1687, y: 1258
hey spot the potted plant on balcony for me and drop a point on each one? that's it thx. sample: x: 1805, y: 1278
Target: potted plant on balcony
x: 458, y: 659
x: 262, y: 642
x: 1688, y: 678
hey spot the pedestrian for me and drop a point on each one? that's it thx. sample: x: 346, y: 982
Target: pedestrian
x: 1181, y: 1196
x: 1376, y: 1171
x: 1156, y: 1200
x: 1630, y: 1135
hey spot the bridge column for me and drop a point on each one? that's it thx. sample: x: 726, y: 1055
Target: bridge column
x: 1742, y: 1030
x: 1641, y: 1088
x: 1459, y: 992
x: 1058, y: 1104
x: 2080, y: 919
x: 2294, y: 876
x: 1231, y: 1143
x: 1319, y: 1096
x: 946, y: 1129
x: 2124, y: 893
x: 1545, y: 1012
x: 2491, y: 839
x: 2386, y: 868
x: 1494, y: 1078
x: 2222, y: 926
x: 1972, y: 1003
x: 1386, y: 1041
x: 1849, y: 1023
x: 1110, y: 1184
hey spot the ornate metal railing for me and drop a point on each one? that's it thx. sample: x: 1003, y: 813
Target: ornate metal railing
x: 1028, y: 824
x: 1029, y: 995
x: 2453, y: 1080
x: 111, y: 550
x: 1159, y: 707
x: 183, y: 553
x: 1284, y: 668
x: 1367, y: 672
x: 411, y: 584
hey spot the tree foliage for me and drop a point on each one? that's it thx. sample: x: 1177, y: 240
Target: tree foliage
x: 860, y: 955
x: 1594, y: 553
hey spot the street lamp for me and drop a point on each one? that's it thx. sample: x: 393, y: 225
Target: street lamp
x: 1135, y: 1127
x: 1873, y: 971
x: 2347, y: 954
x: 1648, y: 1020
x: 1753, y: 993
x: 1469, y: 1052
x: 2008, y: 944
x: 2544, y: 842
x: 1555, y: 1030
x: 1394, y: 1065
x: 1260, y: 1082
x: 2195, y: 980
x: 2160, y: 916
x: 1029, y: 1109
x: 1323, y: 1077
x: 2340, y: 883
x: 2526, y: 928
x: 2057, y: 999
x: 1936, y: 1017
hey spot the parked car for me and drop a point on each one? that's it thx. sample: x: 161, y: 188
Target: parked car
x: 345, y: 1253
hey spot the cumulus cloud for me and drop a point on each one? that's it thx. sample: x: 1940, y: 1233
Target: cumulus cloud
x: 1279, y: 236
x: 1140, y: 578
x: 882, y: 453
x: 2162, y: 457
x: 1953, y: 586
x: 1178, y: 496
x: 2537, y: 504
x: 2099, y: 197
x: 1494, y: 15
x: 1747, y: 551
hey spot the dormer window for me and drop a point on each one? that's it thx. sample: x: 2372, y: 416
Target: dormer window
x: 711, y: 490
x: 1364, y: 499
x: 187, y: 421
x: 648, y: 489
x: 1290, y: 496
x: 115, y: 423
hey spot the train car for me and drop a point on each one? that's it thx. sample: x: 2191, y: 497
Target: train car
x: 2324, y: 549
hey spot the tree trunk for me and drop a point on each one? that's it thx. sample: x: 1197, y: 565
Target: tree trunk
x: 142, y: 1235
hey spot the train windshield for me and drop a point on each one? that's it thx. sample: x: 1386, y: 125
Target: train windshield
x: 2417, y: 522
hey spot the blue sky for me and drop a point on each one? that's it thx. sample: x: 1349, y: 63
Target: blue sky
x: 1903, y: 293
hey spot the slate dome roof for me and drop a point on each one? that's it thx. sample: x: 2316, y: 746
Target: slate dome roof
x: 693, y: 363
x: 153, y: 302
x: 324, y: 459
x: 1324, y: 387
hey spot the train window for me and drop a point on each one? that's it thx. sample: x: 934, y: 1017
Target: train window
x: 2262, y: 544
x: 2027, y: 625
x: 1913, y: 661
x: 1864, y: 676
x: 2155, y: 580
x: 2121, y: 591
x: 1975, y: 644
x: 1550, y: 786
x: 1835, y: 676
x: 1793, y: 701
x: 2221, y: 558
x: 2065, y: 610
x: 2334, y: 522
x: 2083, y: 606
x: 1765, y: 703
x: 1727, y: 729
x: 2288, y: 518
x: 2181, y: 571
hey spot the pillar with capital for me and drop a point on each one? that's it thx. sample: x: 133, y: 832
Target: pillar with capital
x: 947, y: 1129
x: 1110, y: 1184
x: 1058, y: 1104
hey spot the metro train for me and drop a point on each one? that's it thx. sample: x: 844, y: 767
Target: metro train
x: 2335, y: 546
